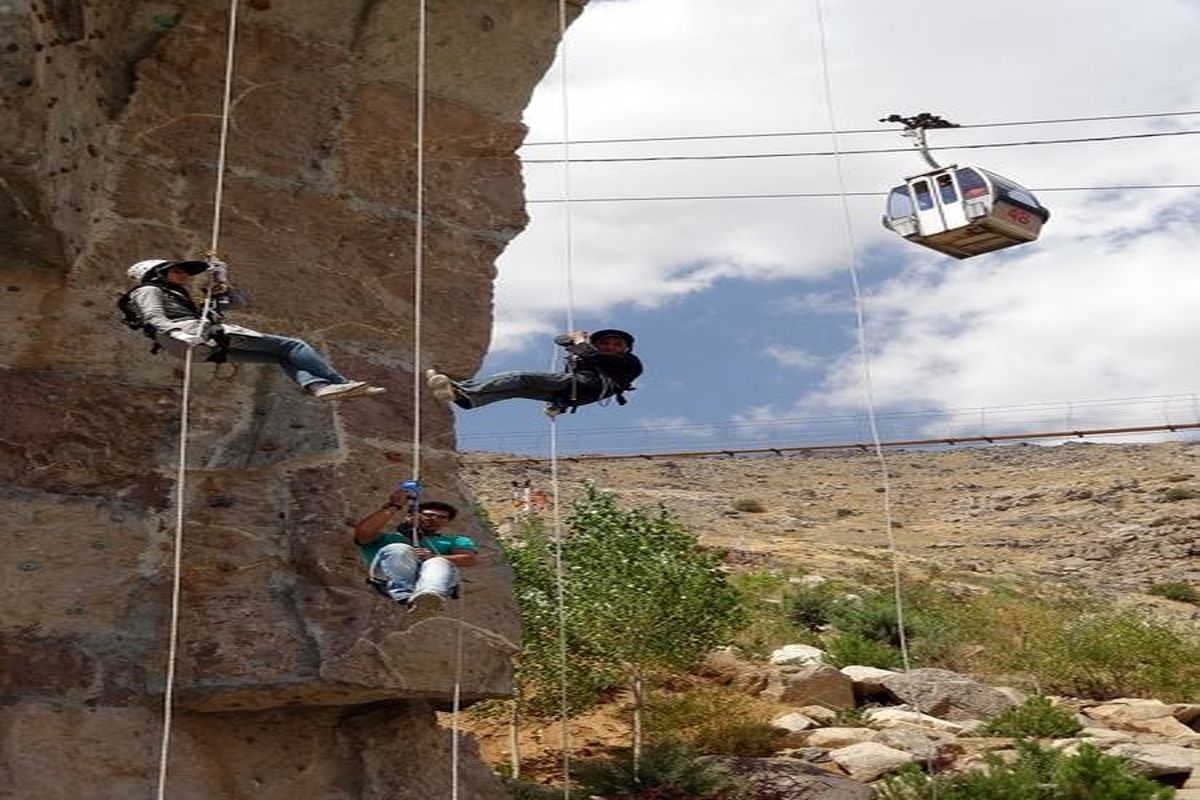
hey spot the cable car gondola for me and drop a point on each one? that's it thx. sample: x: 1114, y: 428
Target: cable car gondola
x: 960, y: 211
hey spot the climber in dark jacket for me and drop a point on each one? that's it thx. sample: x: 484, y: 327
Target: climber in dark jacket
x: 600, y: 366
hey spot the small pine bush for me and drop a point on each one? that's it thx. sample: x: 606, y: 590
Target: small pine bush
x: 668, y: 771
x: 1176, y: 590
x: 749, y: 505
x: 1037, y: 717
x: 846, y: 649
x: 871, y: 617
x: 1037, y: 773
x: 810, y: 607
x: 1177, y: 493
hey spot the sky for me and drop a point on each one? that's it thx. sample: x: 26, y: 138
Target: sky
x: 744, y: 309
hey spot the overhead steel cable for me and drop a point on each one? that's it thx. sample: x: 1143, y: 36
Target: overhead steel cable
x: 827, y: 195
x: 785, y: 134
x: 871, y: 151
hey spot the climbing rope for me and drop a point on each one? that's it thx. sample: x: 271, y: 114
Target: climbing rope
x: 560, y: 579
x: 419, y: 245
x: 868, y: 383
x: 418, y: 373
x: 181, y: 473
x: 560, y: 587
x: 863, y: 346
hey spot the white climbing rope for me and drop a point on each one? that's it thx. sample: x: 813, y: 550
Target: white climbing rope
x: 418, y: 373
x: 863, y: 345
x: 560, y: 586
x: 560, y: 579
x: 418, y: 249
x: 181, y: 473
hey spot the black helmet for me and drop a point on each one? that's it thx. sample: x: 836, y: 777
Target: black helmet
x: 604, y: 334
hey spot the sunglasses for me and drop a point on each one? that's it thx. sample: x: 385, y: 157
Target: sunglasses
x: 435, y: 514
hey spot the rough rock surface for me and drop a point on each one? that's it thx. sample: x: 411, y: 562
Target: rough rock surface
x: 293, y: 680
x: 786, y: 777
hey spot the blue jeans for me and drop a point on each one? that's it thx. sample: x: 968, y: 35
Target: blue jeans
x: 301, y: 363
x: 408, y: 575
x: 548, y: 387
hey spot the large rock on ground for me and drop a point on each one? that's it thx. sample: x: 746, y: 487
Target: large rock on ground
x: 772, y: 778
x: 946, y: 694
x: 818, y: 684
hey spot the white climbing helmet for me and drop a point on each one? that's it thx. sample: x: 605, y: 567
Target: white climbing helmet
x: 149, y: 268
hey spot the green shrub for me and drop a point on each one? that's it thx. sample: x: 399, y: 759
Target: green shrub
x: 1037, y: 717
x: 749, y: 505
x: 1177, y: 493
x: 846, y: 649
x: 873, y: 617
x: 711, y: 721
x: 1176, y: 590
x: 1038, y: 773
x: 667, y: 771
x: 1117, y: 654
x: 810, y: 607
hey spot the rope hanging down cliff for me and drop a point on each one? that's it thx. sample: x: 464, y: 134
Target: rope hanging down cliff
x: 181, y: 473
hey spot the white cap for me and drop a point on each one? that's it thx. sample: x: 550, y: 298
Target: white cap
x: 144, y: 269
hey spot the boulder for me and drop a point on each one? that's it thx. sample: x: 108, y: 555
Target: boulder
x: 868, y: 680
x: 947, y: 694
x: 902, y: 717
x: 797, y: 655
x: 923, y: 744
x: 773, y: 778
x: 1159, y: 760
x: 1142, y: 716
x: 868, y: 761
x: 818, y: 684
x: 838, y: 737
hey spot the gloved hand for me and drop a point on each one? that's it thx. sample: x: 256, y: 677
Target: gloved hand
x: 190, y: 339
x: 218, y: 271
x: 568, y: 339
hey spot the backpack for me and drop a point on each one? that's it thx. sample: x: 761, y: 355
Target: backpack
x: 133, y: 320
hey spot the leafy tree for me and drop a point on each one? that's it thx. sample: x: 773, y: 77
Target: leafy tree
x: 641, y: 597
x: 641, y: 592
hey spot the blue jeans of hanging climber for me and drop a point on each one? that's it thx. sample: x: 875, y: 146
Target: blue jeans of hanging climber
x: 548, y: 387
x: 407, y: 575
x: 299, y: 361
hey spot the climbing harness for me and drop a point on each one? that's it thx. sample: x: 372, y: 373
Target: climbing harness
x: 210, y: 315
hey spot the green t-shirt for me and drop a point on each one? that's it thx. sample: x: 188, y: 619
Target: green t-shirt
x: 443, y: 544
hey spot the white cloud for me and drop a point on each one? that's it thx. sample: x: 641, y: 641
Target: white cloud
x: 1103, y: 306
x: 792, y: 357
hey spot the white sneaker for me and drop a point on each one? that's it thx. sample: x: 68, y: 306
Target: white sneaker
x: 336, y: 391
x: 441, y: 385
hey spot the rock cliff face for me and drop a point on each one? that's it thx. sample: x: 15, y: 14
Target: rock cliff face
x: 294, y: 680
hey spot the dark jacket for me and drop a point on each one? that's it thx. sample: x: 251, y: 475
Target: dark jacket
x: 600, y: 375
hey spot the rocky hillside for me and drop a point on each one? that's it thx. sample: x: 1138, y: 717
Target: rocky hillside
x: 1114, y: 517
